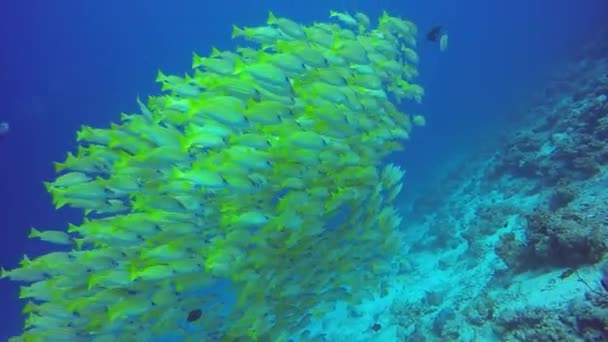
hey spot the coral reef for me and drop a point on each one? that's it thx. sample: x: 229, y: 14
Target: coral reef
x: 535, y: 198
x: 561, y: 239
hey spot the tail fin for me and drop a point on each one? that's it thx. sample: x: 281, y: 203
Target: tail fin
x: 93, y: 280
x: 184, y: 143
x: 237, y: 32
x: 177, y: 174
x: 196, y: 60
x: 62, y: 166
x: 160, y: 77
x: 82, y: 133
x: 48, y: 186
x: 59, y: 166
x: 34, y: 233
x: 29, y: 308
x: 133, y: 271
x: 239, y: 66
x: 144, y: 109
x: 59, y: 200
x: 79, y: 243
x: 72, y: 228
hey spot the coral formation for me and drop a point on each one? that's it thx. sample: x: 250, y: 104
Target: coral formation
x: 536, y: 197
x: 561, y: 239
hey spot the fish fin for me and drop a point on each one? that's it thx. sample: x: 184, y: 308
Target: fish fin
x: 237, y: 32
x: 34, y: 233
x: 196, y: 60
x: 160, y: 76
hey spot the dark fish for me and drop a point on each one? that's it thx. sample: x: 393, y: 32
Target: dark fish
x: 567, y: 273
x: 434, y: 34
x: 376, y: 327
x: 194, y: 315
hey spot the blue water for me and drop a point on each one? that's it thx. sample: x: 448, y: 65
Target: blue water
x: 68, y: 63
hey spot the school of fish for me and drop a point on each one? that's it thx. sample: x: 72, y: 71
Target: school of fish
x: 260, y: 173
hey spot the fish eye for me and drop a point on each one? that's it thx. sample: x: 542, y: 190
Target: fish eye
x: 194, y: 315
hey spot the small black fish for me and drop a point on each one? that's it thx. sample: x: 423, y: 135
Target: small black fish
x: 376, y: 327
x: 567, y: 273
x: 434, y: 34
x: 194, y: 315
